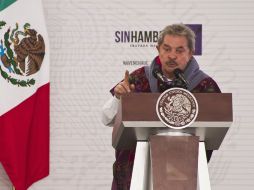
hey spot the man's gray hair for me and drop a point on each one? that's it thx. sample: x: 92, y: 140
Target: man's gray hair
x: 179, y: 30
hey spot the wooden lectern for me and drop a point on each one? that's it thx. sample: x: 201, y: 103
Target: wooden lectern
x: 157, y: 164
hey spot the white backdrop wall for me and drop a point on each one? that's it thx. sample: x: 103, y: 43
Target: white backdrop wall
x: 86, y: 62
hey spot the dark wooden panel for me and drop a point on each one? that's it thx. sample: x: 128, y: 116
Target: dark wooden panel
x: 174, y: 162
x: 142, y: 107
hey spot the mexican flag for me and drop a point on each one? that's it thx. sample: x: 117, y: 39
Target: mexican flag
x: 24, y: 92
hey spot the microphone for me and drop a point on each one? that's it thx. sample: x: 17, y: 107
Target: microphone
x: 158, y: 75
x: 179, y: 74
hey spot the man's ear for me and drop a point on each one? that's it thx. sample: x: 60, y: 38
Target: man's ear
x: 192, y: 53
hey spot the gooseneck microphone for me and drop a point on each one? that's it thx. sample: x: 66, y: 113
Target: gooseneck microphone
x: 179, y: 75
x: 158, y: 75
x: 165, y: 83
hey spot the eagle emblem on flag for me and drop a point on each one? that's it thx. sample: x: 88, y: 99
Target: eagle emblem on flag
x: 22, y: 51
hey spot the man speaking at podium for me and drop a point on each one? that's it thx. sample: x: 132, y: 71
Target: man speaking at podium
x: 176, y: 46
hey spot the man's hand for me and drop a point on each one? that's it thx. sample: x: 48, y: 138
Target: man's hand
x: 124, y: 86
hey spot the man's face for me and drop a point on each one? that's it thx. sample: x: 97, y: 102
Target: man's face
x: 174, y: 53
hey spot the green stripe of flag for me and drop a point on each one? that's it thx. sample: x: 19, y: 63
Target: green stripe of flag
x: 5, y: 3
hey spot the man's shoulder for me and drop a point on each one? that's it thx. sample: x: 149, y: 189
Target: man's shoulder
x: 139, y: 78
x: 139, y: 71
x: 207, y: 85
x: 138, y: 74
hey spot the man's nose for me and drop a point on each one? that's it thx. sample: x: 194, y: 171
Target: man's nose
x: 172, y: 55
